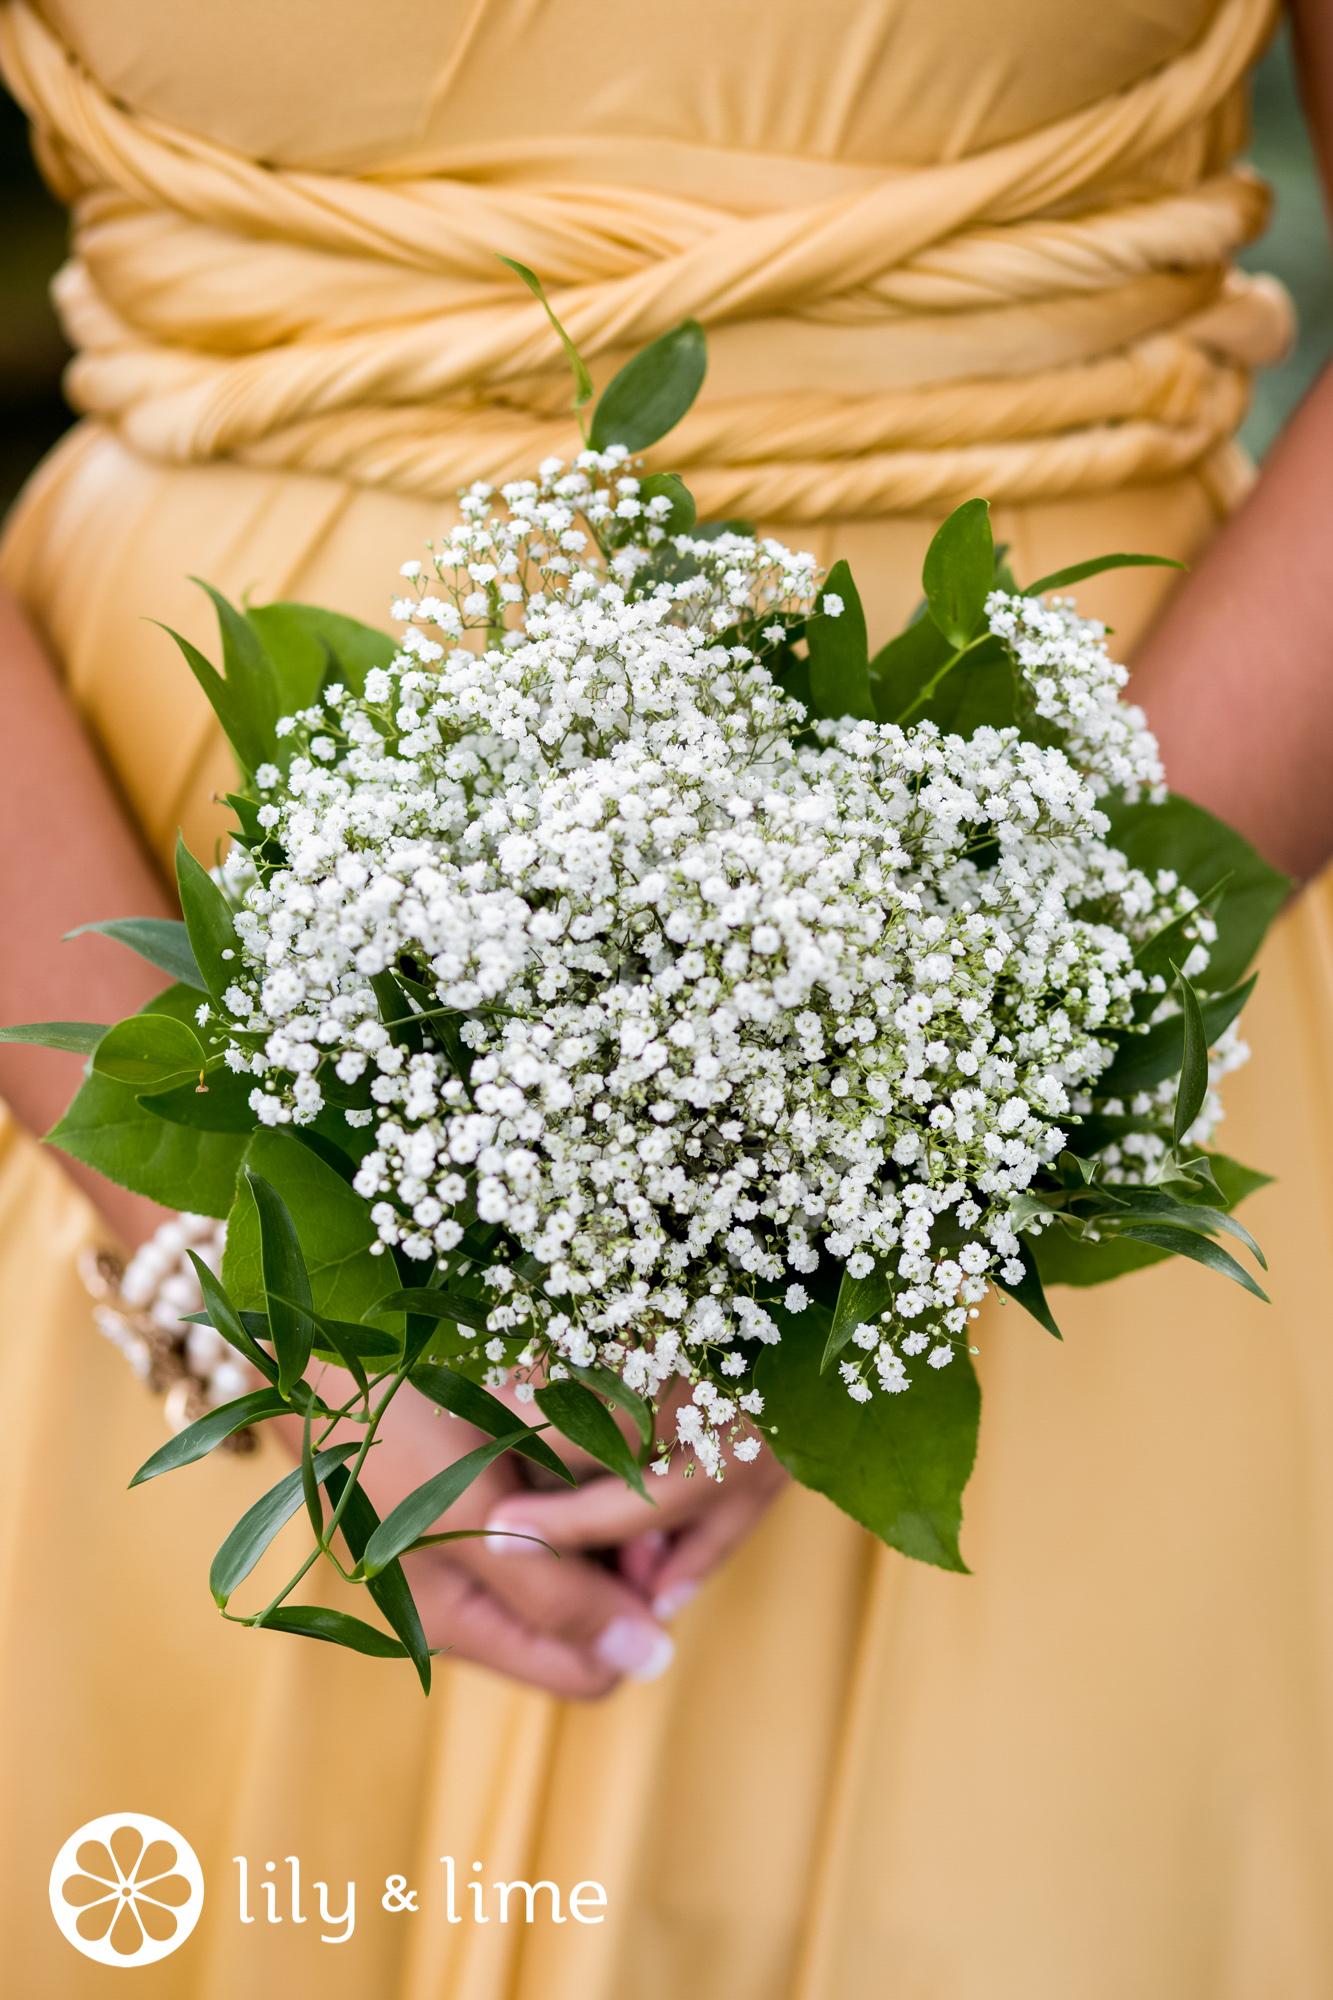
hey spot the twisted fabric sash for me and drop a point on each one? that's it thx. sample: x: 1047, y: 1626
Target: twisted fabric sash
x: 1049, y: 317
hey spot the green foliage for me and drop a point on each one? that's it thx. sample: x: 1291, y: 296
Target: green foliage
x: 1200, y: 849
x: 898, y: 1464
x: 1076, y: 572
x: 582, y: 379
x: 573, y: 1409
x: 652, y: 392
x: 839, y: 654
x: 259, y: 1524
x: 1029, y: 1292
x: 287, y: 1296
x: 1148, y: 1058
x: 1193, y: 1086
x: 111, y: 1131
x: 478, y: 1407
x: 959, y: 573
x: 220, y: 1104
x: 339, y: 1628
x: 80, y: 1038
x: 332, y: 1223
x: 389, y: 1589
x: 208, y: 922
x: 413, y: 1516
x: 200, y: 1438
x: 149, y: 1052
x: 161, y: 940
x: 860, y: 1302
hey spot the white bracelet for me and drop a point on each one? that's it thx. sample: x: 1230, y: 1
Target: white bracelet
x: 141, y: 1307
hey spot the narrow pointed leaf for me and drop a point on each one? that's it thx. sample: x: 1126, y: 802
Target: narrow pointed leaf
x: 416, y: 1514
x: 450, y: 1306
x: 357, y: 1523
x: 1201, y: 1248
x: 582, y: 379
x: 163, y: 941
x: 576, y: 1412
x: 223, y: 1316
x: 259, y: 1524
x: 1193, y: 1086
x: 1030, y: 1292
x: 286, y: 1283
x: 652, y: 392
x: 316, y: 1621
x: 486, y: 1412
x: 80, y: 1038
x: 1076, y: 572
x: 200, y: 1438
x: 208, y: 921
x: 608, y: 1384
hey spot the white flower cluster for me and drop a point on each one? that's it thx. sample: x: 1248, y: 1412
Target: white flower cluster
x: 687, y: 994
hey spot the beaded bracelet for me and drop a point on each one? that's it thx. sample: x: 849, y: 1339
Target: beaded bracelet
x: 142, y: 1309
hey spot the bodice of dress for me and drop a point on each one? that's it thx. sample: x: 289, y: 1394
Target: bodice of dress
x: 940, y: 246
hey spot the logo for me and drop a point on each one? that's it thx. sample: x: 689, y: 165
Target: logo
x: 126, y: 1889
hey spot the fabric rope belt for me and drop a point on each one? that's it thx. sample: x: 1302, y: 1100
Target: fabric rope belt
x: 1051, y: 316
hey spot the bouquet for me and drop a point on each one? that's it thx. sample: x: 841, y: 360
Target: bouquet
x: 621, y: 983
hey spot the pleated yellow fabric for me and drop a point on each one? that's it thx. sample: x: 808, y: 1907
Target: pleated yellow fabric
x: 940, y: 247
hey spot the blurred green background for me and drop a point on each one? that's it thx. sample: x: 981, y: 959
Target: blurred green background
x: 32, y: 240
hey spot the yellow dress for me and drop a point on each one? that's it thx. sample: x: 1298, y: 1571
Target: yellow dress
x: 942, y: 247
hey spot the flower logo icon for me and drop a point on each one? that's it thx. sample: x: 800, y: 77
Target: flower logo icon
x: 126, y: 1889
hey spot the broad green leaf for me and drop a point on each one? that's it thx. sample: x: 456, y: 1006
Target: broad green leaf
x: 582, y: 379
x: 576, y: 1412
x: 80, y: 1038
x: 109, y: 1130
x: 1029, y: 1292
x: 1076, y: 572
x: 223, y: 1316
x: 1170, y: 946
x: 652, y: 392
x: 1063, y: 1259
x: 1193, y: 1086
x: 839, y: 655
x: 308, y: 646
x: 478, y: 1407
x: 1201, y: 1248
x: 1183, y: 837
x: 208, y: 920
x: 161, y: 940
x: 331, y: 1220
x: 897, y: 1464
x: 450, y: 1306
x: 149, y: 1052
x: 413, y: 1516
x: 259, y: 1524
x: 200, y: 1438
x: 860, y: 1302
x: 900, y: 671
x: 670, y: 486
x: 339, y: 1628
x: 286, y: 1283
x: 1143, y: 1061
x: 959, y: 572
x: 389, y: 1589
x: 222, y: 1104
x: 980, y: 690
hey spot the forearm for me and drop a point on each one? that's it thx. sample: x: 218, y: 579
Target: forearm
x: 72, y: 858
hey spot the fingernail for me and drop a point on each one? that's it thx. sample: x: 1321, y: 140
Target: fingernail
x: 635, y: 1648
x: 500, y: 1536
x: 674, y: 1600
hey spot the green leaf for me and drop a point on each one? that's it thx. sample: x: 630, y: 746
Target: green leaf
x: 389, y: 1589
x: 582, y: 379
x: 901, y: 671
x: 200, y: 1438
x: 259, y: 1524
x: 1063, y: 1259
x: 149, y: 1052
x: 1201, y: 1248
x: 109, y: 1130
x: 860, y: 1302
x: 1076, y: 572
x: 652, y: 392
x: 897, y: 1464
x: 959, y: 572
x: 81, y: 1038
x: 1158, y: 955
x: 1193, y: 1086
x: 316, y: 1621
x: 615, y: 1391
x: 243, y: 698
x: 485, y: 1412
x: 208, y: 920
x: 308, y: 647
x: 223, y: 1316
x: 839, y: 654
x: 451, y: 1306
x: 670, y: 486
x: 286, y: 1283
x: 221, y: 1105
x: 332, y: 1221
x: 1143, y: 1061
x: 161, y: 940
x: 979, y: 690
x: 1029, y: 1292
x: 1199, y: 848
x: 576, y: 1412
x: 414, y: 1515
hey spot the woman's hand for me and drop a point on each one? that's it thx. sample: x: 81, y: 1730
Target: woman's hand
x: 561, y: 1617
